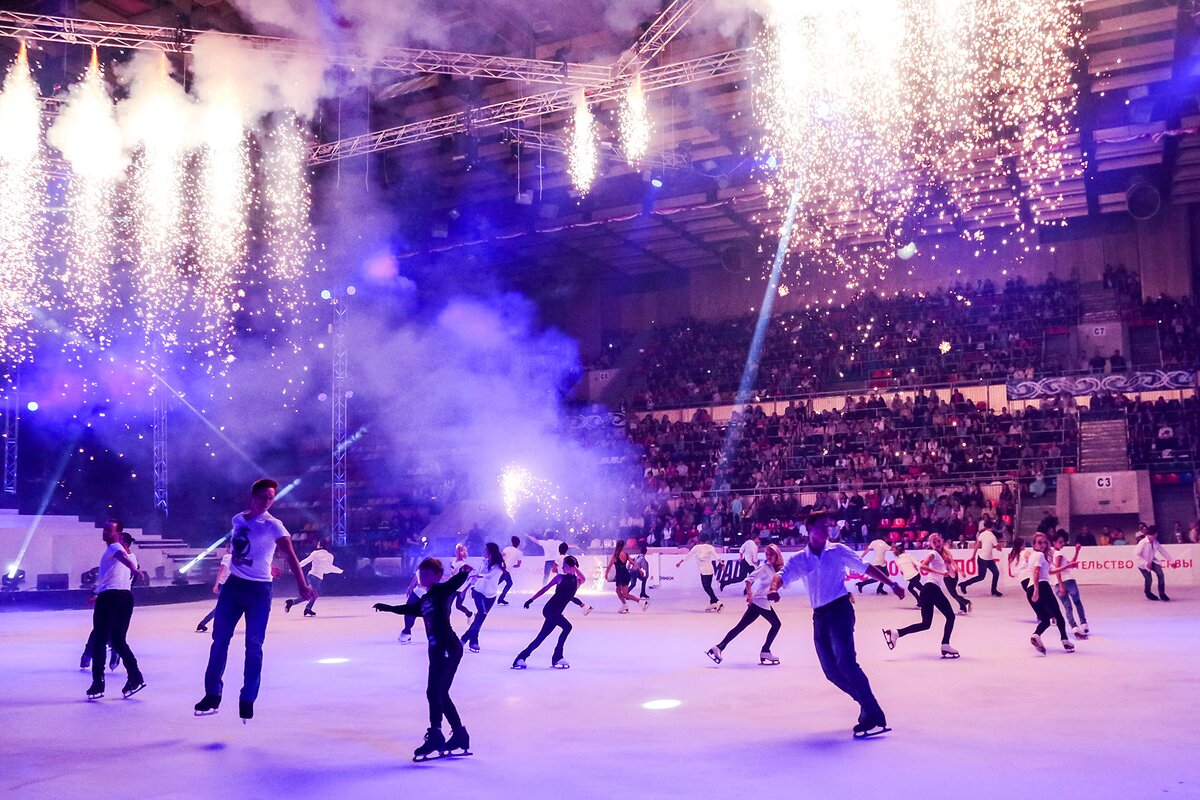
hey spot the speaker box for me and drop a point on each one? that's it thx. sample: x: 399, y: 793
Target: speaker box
x: 52, y: 581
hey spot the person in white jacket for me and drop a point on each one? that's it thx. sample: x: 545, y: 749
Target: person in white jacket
x: 320, y: 564
x: 1146, y: 557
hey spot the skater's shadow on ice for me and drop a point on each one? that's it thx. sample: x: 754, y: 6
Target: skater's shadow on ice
x: 214, y: 747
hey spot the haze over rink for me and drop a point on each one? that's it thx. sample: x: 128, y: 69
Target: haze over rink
x: 1117, y: 719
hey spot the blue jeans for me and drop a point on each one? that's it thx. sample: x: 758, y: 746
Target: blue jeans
x: 315, y: 583
x: 833, y: 635
x: 1071, y: 589
x: 238, y: 597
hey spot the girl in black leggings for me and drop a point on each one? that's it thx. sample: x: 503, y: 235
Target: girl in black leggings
x: 1041, y: 595
x: 761, y: 586
x: 445, y: 652
x: 932, y: 597
x: 565, y: 584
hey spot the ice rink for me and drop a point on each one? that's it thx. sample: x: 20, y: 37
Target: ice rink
x: 1117, y: 719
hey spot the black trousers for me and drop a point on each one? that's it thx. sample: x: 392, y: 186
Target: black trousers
x: 931, y: 598
x: 706, y: 583
x: 753, y: 612
x: 443, y: 663
x: 952, y: 586
x: 507, y: 582
x: 110, y: 624
x: 1155, y: 569
x: 833, y: 637
x: 914, y: 587
x: 554, y: 619
x: 1047, y: 610
x: 984, y: 566
x: 634, y: 577
x: 410, y: 619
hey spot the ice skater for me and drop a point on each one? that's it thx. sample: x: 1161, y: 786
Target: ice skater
x: 950, y: 577
x: 985, y: 551
x: 512, y: 560
x: 460, y: 558
x: 931, y: 597
x: 114, y: 658
x: 445, y: 653
x: 565, y: 584
x: 1068, y: 588
x: 639, y: 570
x: 222, y: 574
x: 556, y: 567
x: 1146, y: 557
x: 483, y: 592
x: 1041, y: 596
x: 254, y: 538
x: 746, y: 563
x: 876, y: 554
x: 320, y: 564
x: 909, y: 570
x: 414, y: 593
x: 618, y: 567
x: 760, y: 584
x: 824, y: 565
x: 113, y: 610
x: 705, y: 556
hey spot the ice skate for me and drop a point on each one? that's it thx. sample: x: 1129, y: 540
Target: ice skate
x: 997, y: 594
x: 459, y: 743
x: 767, y: 659
x: 85, y: 661
x: 1079, y: 634
x: 114, y: 660
x: 519, y: 663
x: 1086, y: 631
x: 287, y: 607
x: 891, y: 637
x: 865, y: 730
x: 645, y: 603
x: 96, y: 690
x: 949, y: 652
x: 246, y: 710
x: 714, y: 653
x: 624, y: 610
x: 1163, y: 596
x: 966, y: 610
x: 1151, y: 596
x: 433, y: 746
x: 561, y: 663
x: 405, y: 638
x: 133, y: 685
x: 308, y: 613
x: 587, y: 610
x: 208, y: 706
x: 201, y: 629
x: 1036, y: 641
x: 501, y: 602
x: 1070, y: 648
x: 473, y: 647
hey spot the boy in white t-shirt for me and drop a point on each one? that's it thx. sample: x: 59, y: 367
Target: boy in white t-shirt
x: 253, y: 539
x: 705, y: 556
x: 512, y: 560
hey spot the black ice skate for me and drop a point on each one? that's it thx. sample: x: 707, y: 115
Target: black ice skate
x: 246, y: 710
x: 866, y: 730
x: 308, y: 613
x: 132, y: 686
x: 459, y: 743
x: 96, y: 690
x: 433, y: 747
x: 208, y: 706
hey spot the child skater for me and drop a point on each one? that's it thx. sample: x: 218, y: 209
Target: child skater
x: 484, y: 591
x: 759, y: 584
x: 932, y: 596
x: 414, y: 593
x: 619, y: 565
x: 445, y: 652
x: 1068, y: 587
x: 909, y: 570
x: 565, y: 583
x: 705, y: 555
x: 1041, y: 595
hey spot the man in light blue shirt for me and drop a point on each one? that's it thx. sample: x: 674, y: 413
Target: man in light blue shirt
x: 823, y: 565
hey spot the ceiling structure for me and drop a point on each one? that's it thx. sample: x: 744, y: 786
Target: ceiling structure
x: 467, y: 146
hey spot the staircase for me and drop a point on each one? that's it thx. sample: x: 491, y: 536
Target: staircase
x: 1032, y: 510
x: 1098, y: 304
x: 1145, y: 351
x: 1103, y: 446
x: 1057, y: 350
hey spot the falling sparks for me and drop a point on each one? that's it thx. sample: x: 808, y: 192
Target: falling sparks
x: 87, y: 134
x: 903, y: 118
x: 21, y: 226
x: 287, y: 203
x: 582, y: 153
x: 636, y: 128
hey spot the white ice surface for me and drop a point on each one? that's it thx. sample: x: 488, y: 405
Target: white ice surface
x: 1118, y: 719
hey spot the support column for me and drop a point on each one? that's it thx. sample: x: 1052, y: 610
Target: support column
x: 339, y: 396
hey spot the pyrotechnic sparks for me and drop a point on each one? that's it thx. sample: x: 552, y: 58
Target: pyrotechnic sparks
x: 87, y: 134
x: 224, y: 202
x: 636, y: 126
x: 902, y: 118
x: 583, y: 155
x: 287, y: 200
x: 519, y: 487
x: 21, y: 185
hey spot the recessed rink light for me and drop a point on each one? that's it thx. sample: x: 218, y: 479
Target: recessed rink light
x: 332, y: 660
x: 661, y: 705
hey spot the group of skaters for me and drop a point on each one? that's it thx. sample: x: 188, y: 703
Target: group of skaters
x: 244, y: 589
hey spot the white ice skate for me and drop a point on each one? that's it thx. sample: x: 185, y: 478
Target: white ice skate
x: 1079, y: 633
x: 405, y: 638
x: 1086, y: 632
x: 562, y: 663
x: 645, y: 602
x: 714, y: 653
x: 891, y: 637
x: 519, y: 664
x: 949, y: 652
x: 1070, y: 648
x: 766, y: 659
x: 587, y: 609
x: 1036, y: 641
x: 624, y: 610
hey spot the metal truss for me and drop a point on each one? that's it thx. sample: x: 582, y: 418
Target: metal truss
x: 719, y: 65
x: 12, y: 424
x: 654, y: 40
x: 338, y: 401
x: 161, y: 495
x: 664, y: 159
x: 40, y: 28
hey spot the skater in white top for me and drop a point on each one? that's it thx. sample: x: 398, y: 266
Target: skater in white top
x: 1068, y: 588
x: 704, y: 554
x: 761, y: 585
x: 932, y: 596
x: 876, y: 555
x: 1041, y: 595
x: 985, y: 551
x: 747, y: 561
x: 484, y: 591
x: 512, y: 560
x: 113, y: 609
x: 1147, y: 556
x: 950, y: 579
x: 909, y: 570
x: 320, y: 564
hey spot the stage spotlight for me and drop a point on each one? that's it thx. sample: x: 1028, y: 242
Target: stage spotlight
x: 326, y: 294
x: 656, y: 182
x: 32, y: 405
x: 907, y: 251
x: 12, y: 579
